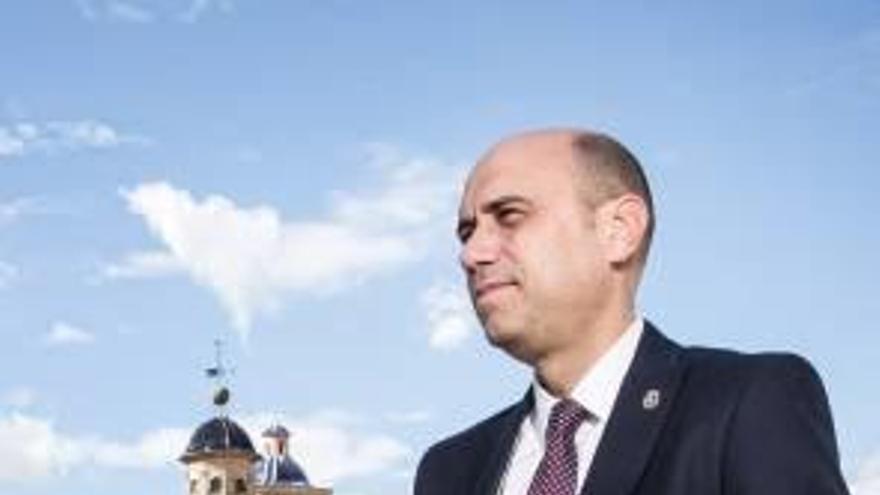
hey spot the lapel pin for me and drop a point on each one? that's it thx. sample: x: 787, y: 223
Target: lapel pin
x: 651, y: 399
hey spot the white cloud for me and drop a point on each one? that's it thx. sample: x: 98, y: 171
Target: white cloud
x: 32, y: 448
x: 8, y: 272
x: 250, y: 257
x: 146, y: 11
x: 867, y: 478
x: 156, y: 448
x: 198, y: 8
x: 19, y: 397
x: 127, y: 12
x: 329, y: 451
x: 62, y: 333
x: 416, y: 191
x: 18, y: 207
x: 143, y: 265
x: 114, y: 10
x: 10, y: 143
x: 84, y: 133
x: 449, y: 314
x: 27, y: 137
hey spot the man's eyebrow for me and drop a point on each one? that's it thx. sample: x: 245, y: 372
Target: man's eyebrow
x: 467, y: 222
x: 502, y: 201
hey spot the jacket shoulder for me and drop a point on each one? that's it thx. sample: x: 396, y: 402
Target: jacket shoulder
x: 476, y: 436
x: 739, y: 365
x: 453, y: 464
x: 779, y: 434
x: 717, y: 382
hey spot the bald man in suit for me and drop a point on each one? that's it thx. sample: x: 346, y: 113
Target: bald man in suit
x: 555, y: 227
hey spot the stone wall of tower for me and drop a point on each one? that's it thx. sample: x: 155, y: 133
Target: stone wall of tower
x: 219, y: 475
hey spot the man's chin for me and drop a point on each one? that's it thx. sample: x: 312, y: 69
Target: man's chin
x: 510, y: 339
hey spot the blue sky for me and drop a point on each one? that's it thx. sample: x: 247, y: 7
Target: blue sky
x: 284, y: 175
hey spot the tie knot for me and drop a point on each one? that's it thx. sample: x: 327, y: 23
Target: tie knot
x: 565, y: 418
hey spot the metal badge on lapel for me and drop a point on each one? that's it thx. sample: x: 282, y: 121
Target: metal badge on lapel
x: 651, y: 399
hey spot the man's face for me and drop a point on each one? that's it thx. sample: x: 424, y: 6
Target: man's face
x: 533, y: 261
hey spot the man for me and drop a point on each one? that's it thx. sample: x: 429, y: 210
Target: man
x: 555, y: 227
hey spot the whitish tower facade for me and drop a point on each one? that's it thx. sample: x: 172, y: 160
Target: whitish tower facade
x: 277, y: 472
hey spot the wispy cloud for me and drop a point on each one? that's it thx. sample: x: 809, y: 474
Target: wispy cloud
x: 8, y: 273
x: 128, y: 12
x: 19, y: 397
x: 27, y: 137
x: 250, y: 257
x: 867, y: 479
x: 199, y: 8
x: 147, y: 11
x: 114, y: 11
x: 147, y: 264
x: 18, y: 207
x: 449, y: 315
x: 32, y: 448
x: 63, y: 333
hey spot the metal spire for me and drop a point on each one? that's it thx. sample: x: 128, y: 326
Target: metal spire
x: 218, y: 374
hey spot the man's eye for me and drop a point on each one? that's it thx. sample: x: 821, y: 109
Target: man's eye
x: 509, y: 216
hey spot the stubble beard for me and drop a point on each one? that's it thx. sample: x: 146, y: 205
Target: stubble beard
x: 510, y: 333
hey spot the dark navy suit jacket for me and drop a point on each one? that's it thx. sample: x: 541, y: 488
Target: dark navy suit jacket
x: 725, y: 423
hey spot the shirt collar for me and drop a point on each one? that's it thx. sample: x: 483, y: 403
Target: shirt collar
x: 597, y: 389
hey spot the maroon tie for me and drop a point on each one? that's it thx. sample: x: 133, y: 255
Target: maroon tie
x: 557, y: 472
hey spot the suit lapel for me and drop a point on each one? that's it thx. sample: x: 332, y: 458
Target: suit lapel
x: 644, y: 400
x: 502, y: 447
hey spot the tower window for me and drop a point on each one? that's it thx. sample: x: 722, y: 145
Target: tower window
x: 193, y: 485
x: 216, y: 485
x: 240, y: 486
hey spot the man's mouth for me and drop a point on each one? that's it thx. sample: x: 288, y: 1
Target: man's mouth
x: 488, y: 287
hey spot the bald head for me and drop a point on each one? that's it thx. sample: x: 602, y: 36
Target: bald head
x: 602, y: 167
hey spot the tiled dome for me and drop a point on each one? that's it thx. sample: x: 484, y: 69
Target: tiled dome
x: 219, y: 435
x: 282, y: 470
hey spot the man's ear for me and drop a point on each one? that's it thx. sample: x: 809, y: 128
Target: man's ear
x: 624, y: 223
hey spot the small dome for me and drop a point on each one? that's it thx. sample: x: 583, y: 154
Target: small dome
x: 282, y: 470
x: 276, y: 431
x: 219, y: 435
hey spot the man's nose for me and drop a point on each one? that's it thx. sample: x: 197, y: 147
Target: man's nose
x: 480, y: 249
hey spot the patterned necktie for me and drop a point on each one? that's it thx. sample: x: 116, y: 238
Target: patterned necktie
x: 557, y: 472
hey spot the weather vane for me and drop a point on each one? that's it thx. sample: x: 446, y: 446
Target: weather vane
x: 218, y: 374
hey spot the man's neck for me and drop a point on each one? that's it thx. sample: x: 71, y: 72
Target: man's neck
x: 560, y: 371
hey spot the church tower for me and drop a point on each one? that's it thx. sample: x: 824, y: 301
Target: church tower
x: 220, y: 456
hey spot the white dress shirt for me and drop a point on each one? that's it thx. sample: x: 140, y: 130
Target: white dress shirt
x: 596, y: 391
